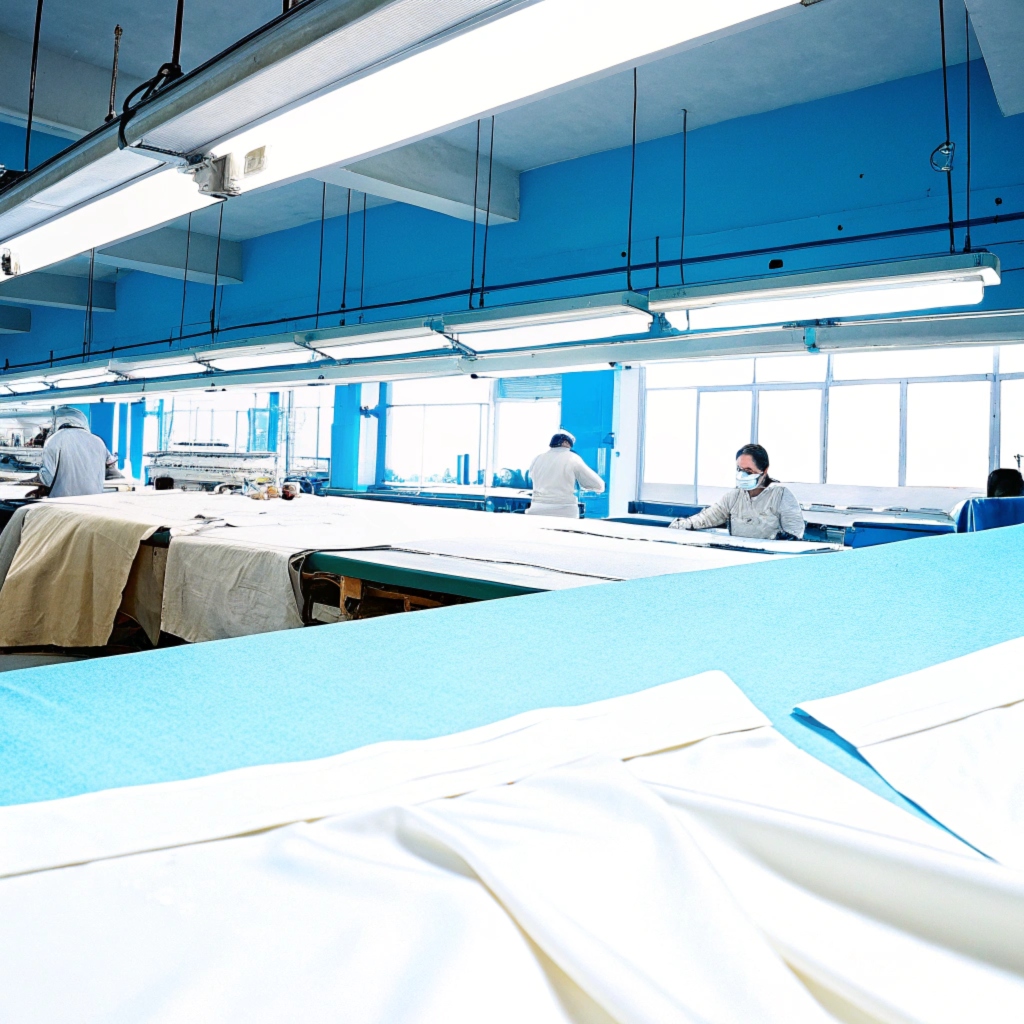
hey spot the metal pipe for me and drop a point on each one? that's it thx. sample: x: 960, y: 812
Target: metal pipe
x: 179, y: 19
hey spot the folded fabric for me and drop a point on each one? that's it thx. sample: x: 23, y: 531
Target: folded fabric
x: 949, y: 738
x: 116, y: 822
x: 65, y: 581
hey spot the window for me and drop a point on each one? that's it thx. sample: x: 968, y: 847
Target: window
x: 864, y: 435
x: 524, y: 429
x: 798, y: 369
x: 700, y: 373
x: 723, y: 428
x: 789, y: 426
x: 1011, y: 359
x: 947, y: 433
x: 1011, y: 416
x: 902, y: 362
x: 670, y: 435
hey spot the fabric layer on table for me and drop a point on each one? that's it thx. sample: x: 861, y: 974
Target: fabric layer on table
x: 732, y: 878
x: 950, y: 738
x: 65, y: 580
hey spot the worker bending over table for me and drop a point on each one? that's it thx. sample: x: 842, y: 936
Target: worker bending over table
x: 757, y: 507
x: 555, y: 474
x: 75, y: 460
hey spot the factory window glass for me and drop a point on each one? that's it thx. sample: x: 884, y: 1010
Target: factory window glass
x: 441, y: 391
x: 947, y: 433
x: 723, y: 427
x: 864, y: 435
x: 670, y: 436
x: 523, y: 430
x: 789, y: 426
x: 902, y: 363
x: 688, y: 373
x: 1011, y: 359
x: 435, y: 444
x: 405, y: 444
x: 795, y: 369
x: 1011, y: 417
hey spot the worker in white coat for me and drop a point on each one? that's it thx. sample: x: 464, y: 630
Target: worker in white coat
x: 757, y: 507
x: 555, y: 474
x: 75, y: 460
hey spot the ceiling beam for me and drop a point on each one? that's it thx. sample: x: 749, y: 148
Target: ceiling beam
x: 59, y: 291
x: 999, y: 26
x: 71, y: 96
x: 437, y: 176
x: 15, y: 320
x: 163, y: 252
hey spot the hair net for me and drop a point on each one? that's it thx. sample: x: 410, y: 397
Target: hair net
x: 69, y: 416
x: 561, y: 437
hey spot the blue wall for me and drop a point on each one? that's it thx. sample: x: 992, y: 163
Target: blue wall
x: 785, y: 178
x: 12, y: 146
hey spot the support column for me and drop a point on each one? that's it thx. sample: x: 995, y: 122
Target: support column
x: 135, y: 437
x: 345, y: 436
x: 588, y: 401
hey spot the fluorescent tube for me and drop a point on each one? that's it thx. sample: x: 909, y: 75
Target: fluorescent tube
x: 78, y: 378
x: 138, y: 206
x: 255, y: 357
x: 26, y: 385
x: 428, y: 342
x: 144, y: 369
x: 881, y: 289
x: 527, y: 53
x: 560, y: 321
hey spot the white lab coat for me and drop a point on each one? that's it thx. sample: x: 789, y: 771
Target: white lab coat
x: 775, y: 510
x: 555, y: 474
x: 75, y: 461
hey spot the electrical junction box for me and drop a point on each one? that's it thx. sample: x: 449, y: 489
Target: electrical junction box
x: 223, y: 175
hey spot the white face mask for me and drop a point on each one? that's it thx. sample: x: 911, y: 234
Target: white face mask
x: 747, y: 481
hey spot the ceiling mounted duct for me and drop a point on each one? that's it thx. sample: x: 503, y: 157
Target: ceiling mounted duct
x: 884, y: 288
x: 553, y: 322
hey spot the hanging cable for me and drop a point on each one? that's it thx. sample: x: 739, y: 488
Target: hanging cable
x: 476, y: 188
x: 682, y: 217
x: 632, y: 183
x: 87, y: 324
x: 184, y: 279
x: 32, y: 84
x: 216, y: 276
x: 344, y: 276
x: 487, y: 217
x: 945, y: 149
x: 320, y: 261
x: 967, y: 38
x: 362, y: 263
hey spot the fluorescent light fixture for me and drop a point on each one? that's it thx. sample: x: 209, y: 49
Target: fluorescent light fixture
x: 879, y: 289
x: 553, y: 322
x: 25, y: 385
x: 256, y: 357
x: 138, y: 206
x: 81, y: 377
x: 169, y: 366
x: 527, y: 53
x: 387, y: 338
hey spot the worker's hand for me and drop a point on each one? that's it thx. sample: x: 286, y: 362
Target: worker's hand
x: 680, y: 524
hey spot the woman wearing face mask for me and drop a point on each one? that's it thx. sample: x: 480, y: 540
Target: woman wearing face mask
x: 758, y: 506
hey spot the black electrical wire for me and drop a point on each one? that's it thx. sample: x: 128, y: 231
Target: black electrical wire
x: 320, y: 261
x: 87, y: 323
x: 476, y: 188
x: 216, y: 275
x: 967, y: 38
x: 947, y: 147
x: 344, y: 276
x: 487, y: 217
x: 362, y: 261
x: 118, y: 32
x: 682, y: 216
x: 32, y: 84
x: 632, y: 184
x: 184, y: 279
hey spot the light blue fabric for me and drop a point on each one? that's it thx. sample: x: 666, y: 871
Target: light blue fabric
x: 861, y: 616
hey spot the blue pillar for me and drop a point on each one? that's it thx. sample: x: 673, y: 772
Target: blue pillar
x: 273, y: 418
x: 101, y: 422
x: 588, y: 403
x: 122, y: 434
x: 345, y: 436
x: 138, y: 428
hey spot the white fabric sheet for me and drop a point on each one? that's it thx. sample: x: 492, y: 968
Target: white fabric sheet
x: 730, y: 878
x: 950, y: 738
